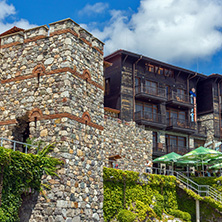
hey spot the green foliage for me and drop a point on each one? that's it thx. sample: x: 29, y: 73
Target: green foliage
x: 180, y: 214
x: 146, y: 198
x: 22, y: 173
x: 126, y: 216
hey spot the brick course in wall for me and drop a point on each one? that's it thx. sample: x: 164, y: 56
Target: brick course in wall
x: 52, y: 79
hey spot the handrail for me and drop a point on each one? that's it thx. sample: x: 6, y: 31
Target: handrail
x: 203, y: 190
x: 14, y: 142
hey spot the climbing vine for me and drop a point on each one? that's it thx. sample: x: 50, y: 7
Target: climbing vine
x: 21, y: 173
x: 128, y: 197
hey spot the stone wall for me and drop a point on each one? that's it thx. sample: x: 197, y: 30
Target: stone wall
x: 125, y: 139
x: 52, y: 89
x: 208, y: 122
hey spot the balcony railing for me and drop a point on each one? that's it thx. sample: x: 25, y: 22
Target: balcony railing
x: 154, y: 91
x: 177, y: 149
x: 179, y: 97
x: 159, y: 148
x: 149, y: 116
x: 181, y: 123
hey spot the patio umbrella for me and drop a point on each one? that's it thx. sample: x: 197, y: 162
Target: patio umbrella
x: 214, y: 160
x: 201, y: 154
x: 217, y: 166
x: 168, y: 158
x: 186, y: 163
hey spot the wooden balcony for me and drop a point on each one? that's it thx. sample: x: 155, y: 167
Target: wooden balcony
x: 155, y: 94
x: 177, y: 149
x: 153, y: 120
x: 160, y: 149
x: 179, y: 100
x: 180, y: 125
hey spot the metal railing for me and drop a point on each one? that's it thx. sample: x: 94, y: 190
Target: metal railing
x: 182, y: 123
x: 178, y: 149
x: 16, y: 144
x: 180, y: 97
x: 150, y: 116
x: 202, y: 190
x: 154, y: 91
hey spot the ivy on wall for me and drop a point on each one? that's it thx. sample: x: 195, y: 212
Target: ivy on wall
x: 21, y: 173
x: 129, y: 198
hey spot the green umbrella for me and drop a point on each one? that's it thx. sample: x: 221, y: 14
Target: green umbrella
x: 217, y: 166
x: 168, y: 158
x: 215, y: 160
x: 201, y: 154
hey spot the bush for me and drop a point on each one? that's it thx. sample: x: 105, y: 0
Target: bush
x: 126, y: 216
x: 180, y: 214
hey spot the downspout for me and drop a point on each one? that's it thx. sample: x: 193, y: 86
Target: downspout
x: 134, y: 68
x: 188, y: 86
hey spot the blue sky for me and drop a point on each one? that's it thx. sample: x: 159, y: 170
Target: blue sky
x: 185, y: 33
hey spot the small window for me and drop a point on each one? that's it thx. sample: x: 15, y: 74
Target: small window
x: 156, y: 69
x: 107, y: 86
x: 160, y: 71
x: 151, y: 68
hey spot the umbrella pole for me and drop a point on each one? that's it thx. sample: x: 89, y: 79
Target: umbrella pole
x: 172, y: 168
x: 187, y: 171
x: 202, y: 168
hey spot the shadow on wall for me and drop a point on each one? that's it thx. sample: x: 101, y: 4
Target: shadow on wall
x: 21, y: 130
x: 28, y: 204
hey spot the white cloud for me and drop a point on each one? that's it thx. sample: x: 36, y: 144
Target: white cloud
x: 97, y: 8
x: 170, y: 30
x: 7, y: 10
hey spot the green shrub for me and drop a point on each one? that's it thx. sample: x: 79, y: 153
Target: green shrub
x: 22, y: 172
x: 180, y: 214
x: 126, y: 216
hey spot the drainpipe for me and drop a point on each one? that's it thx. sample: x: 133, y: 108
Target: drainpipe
x: 188, y: 86
x: 134, y: 68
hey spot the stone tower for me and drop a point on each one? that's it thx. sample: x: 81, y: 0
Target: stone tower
x: 52, y: 88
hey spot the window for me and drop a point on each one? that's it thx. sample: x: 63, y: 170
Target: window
x: 151, y: 87
x: 151, y: 68
x: 107, y: 86
x: 138, y: 85
x: 160, y: 71
x: 176, y: 117
x: 175, y: 141
x: 181, y: 95
x: 155, y: 139
x: 156, y: 69
x: 147, y: 111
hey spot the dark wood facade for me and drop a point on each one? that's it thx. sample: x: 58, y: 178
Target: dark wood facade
x: 158, y: 95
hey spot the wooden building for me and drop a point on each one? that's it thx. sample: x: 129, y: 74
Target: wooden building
x: 181, y: 107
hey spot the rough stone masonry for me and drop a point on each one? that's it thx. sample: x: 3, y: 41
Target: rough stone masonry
x: 52, y: 89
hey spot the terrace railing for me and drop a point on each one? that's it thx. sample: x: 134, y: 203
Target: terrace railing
x: 154, y: 91
x: 16, y: 145
x: 180, y: 97
x: 202, y: 190
x: 150, y: 116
